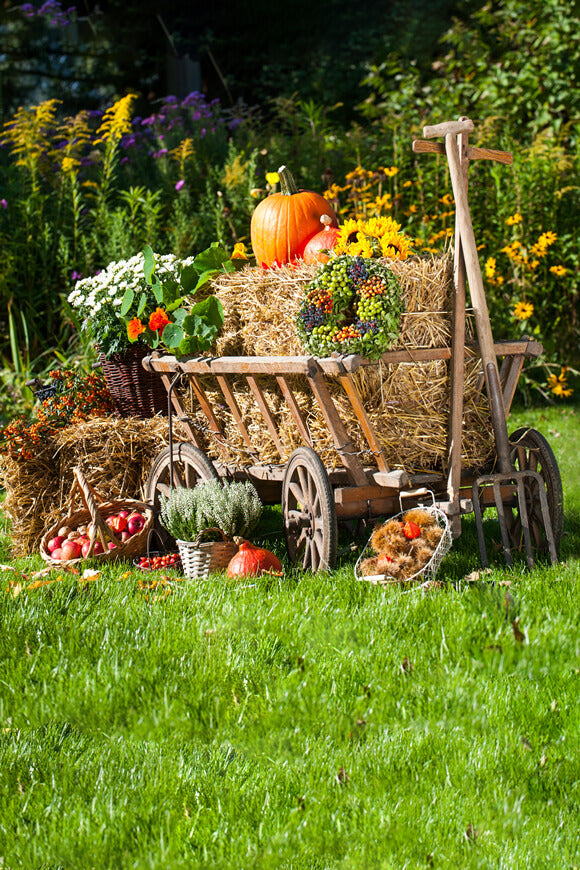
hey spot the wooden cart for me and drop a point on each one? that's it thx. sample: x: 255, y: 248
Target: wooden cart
x: 522, y: 482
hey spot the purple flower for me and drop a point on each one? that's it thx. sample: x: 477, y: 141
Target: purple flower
x: 76, y: 276
x: 180, y: 184
x: 3, y: 203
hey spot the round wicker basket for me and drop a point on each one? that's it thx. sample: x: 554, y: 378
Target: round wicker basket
x: 199, y: 559
x: 135, y: 391
x: 96, y: 510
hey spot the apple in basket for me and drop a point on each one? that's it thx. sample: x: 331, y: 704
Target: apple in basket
x: 70, y: 549
x: 55, y: 544
x: 98, y: 548
x: 135, y: 522
x: 116, y: 522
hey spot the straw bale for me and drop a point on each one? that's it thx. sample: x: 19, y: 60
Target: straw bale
x: 261, y: 305
x: 408, y: 404
x: 115, y: 455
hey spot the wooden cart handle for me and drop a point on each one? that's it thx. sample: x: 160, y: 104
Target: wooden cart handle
x: 449, y: 127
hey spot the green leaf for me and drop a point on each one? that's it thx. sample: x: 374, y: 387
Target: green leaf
x: 179, y: 315
x: 142, y: 304
x: 171, y: 291
x: 173, y: 335
x: 212, y: 259
x: 188, y: 278
x: 127, y: 302
x: 148, y: 263
x: 157, y: 291
x: 211, y: 310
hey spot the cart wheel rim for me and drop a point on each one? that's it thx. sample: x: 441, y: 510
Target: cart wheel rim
x: 530, y: 451
x: 308, y: 512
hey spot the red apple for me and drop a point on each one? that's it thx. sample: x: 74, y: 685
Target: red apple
x: 111, y: 545
x: 70, y: 550
x: 54, y: 543
x: 57, y: 554
x: 125, y: 535
x: 123, y: 513
x: 135, y: 523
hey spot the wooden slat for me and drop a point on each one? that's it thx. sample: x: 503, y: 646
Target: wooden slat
x: 422, y: 147
x: 179, y: 410
x: 457, y: 365
x: 228, y: 395
x: 397, y: 479
x: 367, y: 428
x: 295, y: 410
x: 265, y: 412
x: 511, y: 369
x: 342, y: 443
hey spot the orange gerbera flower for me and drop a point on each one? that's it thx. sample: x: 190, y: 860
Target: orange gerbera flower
x: 134, y: 328
x: 158, y: 320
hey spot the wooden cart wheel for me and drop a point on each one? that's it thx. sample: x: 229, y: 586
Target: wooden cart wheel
x: 190, y: 465
x: 308, y: 512
x: 531, y: 451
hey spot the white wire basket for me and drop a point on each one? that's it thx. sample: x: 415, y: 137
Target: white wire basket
x: 429, y: 571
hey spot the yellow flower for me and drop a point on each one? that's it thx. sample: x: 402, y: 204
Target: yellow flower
x: 547, y: 238
x: 412, y: 209
x: 447, y: 199
x: 559, y: 385
x: 69, y: 164
x: 116, y: 120
x: 523, y: 310
x: 239, y: 252
x: 272, y: 178
x: 558, y: 270
x: 490, y: 265
x: 389, y: 171
x: 407, y: 183
x: 514, y: 219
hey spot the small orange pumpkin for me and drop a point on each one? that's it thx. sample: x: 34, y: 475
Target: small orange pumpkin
x: 316, y: 249
x: 283, y: 223
x: 251, y: 561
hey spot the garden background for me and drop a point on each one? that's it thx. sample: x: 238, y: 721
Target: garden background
x: 310, y: 722
x: 99, y: 157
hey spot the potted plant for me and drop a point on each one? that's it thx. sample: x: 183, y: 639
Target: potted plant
x: 150, y: 301
x: 206, y: 519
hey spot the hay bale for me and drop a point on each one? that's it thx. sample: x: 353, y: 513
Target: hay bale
x: 408, y: 404
x: 115, y: 455
x: 261, y: 305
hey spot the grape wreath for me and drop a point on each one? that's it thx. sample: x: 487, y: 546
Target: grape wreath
x: 353, y: 305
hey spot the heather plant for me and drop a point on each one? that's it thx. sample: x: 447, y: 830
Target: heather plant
x: 234, y: 507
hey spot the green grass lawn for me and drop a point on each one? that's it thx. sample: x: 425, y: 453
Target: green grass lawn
x: 308, y: 722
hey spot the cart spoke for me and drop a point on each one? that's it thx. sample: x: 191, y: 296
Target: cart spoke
x: 297, y: 492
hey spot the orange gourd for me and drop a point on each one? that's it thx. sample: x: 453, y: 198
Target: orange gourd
x: 316, y: 249
x: 283, y: 223
x: 250, y: 561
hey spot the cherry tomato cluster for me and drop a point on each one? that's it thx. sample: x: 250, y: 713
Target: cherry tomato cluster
x: 153, y: 563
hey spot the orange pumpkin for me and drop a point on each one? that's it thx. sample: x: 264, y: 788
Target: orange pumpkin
x: 251, y: 561
x: 283, y: 223
x: 316, y: 249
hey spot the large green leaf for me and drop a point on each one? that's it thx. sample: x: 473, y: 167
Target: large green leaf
x: 171, y: 291
x: 211, y: 310
x: 148, y: 263
x: 188, y: 278
x: 127, y: 301
x: 173, y: 335
x: 211, y: 259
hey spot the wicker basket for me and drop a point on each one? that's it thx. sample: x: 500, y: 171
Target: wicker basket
x: 200, y: 559
x: 96, y: 510
x: 429, y: 571
x: 135, y: 391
